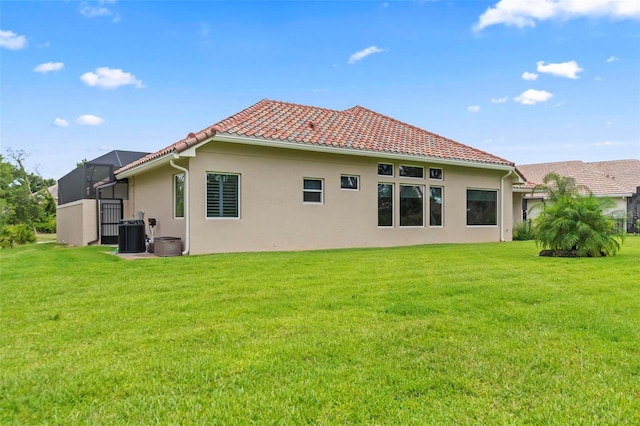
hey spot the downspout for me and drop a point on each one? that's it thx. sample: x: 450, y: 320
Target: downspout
x: 98, y: 189
x: 502, y: 204
x: 186, y: 203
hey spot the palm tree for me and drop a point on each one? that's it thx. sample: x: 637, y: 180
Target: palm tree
x: 574, y: 222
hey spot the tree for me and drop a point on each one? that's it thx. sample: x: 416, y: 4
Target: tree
x: 25, y: 201
x: 574, y: 222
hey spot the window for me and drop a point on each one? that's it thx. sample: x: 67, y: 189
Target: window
x: 178, y: 195
x: 222, y: 195
x: 385, y: 204
x: 411, y: 171
x: 482, y: 207
x: 411, y: 205
x: 435, y: 206
x: 385, y: 169
x: 435, y: 174
x: 312, y: 191
x: 349, y: 182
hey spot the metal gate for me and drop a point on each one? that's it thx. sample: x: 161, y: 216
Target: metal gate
x: 110, y: 217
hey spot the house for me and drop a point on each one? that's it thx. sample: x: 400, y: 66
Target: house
x: 283, y: 176
x: 618, y: 180
x: 90, y: 201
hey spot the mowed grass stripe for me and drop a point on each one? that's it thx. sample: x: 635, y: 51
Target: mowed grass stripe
x: 478, y: 333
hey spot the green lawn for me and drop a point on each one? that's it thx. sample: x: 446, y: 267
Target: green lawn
x: 448, y: 334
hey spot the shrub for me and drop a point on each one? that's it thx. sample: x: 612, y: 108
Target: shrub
x: 523, y: 231
x: 11, y: 235
x: 574, y: 222
x: 46, y: 226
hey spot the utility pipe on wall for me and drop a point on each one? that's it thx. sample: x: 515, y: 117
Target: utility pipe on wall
x: 502, y: 204
x: 186, y: 203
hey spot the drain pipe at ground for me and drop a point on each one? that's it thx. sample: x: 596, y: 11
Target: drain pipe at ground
x: 186, y: 203
x: 502, y: 204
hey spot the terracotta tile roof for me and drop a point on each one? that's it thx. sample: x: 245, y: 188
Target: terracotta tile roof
x: 602, y: 178
x: 356, y: 128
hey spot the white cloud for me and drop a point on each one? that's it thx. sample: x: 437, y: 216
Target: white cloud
x: 597, y: 78
x: 363, y: 54
x: 473, y: 108
x: 12, y: 41
x: 110, y: 78
x: 90, y: 120
x: 525, y: 13
x: 48, y: 67
x: 607, y: 143
x: 565, y: 69
x: 529, y: 76
x: 98, y: 9
x: 612, y: 59
x: 499, y: 100
x: 60, y: 122
x: 608, y: 123
x: 532, y: 97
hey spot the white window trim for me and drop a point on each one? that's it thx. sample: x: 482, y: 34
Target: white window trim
x: 392, y: 170
x: 321, y: 191
x: 175, y: 198
x: 350, y: 176
x: 393, y: 205
x: 410, y: 177
x: 423, y: 207
x: 497, y: 207
x: 442, y: 193
x: 239, y: 196
x: 441, y: 173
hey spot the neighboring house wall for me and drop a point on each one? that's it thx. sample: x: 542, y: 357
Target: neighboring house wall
x: 76, y: 222
x: 516, y: 213
x: 274, y: 217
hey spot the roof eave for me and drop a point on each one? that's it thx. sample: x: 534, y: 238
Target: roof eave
x: 227, y: 137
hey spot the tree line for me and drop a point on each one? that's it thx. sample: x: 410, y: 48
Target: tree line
x: 26, y: 205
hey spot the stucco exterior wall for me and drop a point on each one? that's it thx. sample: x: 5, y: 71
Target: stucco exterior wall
x: 76, y: 222
x: 274, y: 217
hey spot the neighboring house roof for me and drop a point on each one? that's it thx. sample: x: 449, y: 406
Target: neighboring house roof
x: 354, y: 129
x: 619, y: 177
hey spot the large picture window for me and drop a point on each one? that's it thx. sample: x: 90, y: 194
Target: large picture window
x: 222, y: 195
x: 482, y: 207
x: 385, y: 204
x: 435, y: 206
x: 411, y: 205
x: 178, y: 195
x: 312, y: 191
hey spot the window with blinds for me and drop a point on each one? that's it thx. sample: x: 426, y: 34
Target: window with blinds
x: 222, y: 195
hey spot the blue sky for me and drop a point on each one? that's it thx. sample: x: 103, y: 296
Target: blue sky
x: 528, y: 80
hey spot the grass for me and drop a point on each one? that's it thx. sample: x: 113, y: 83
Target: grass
x: 453, y: 334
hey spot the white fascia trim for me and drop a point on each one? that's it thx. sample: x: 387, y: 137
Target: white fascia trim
x: 225, y: 137
x: 156, y: 162
x: 151, y: 164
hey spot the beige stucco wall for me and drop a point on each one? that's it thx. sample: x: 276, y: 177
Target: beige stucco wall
x: 273, y: 216
x: 76, y: 222
x: 517, y: 207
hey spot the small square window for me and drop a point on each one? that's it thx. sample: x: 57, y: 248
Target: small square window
x: 385, y: 169
x: 411, y: 171
x: 312, y: 191
x: 350, y: 182
x: 435, y: 174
